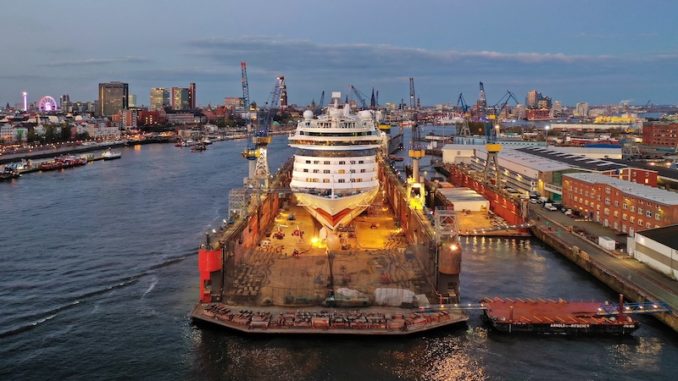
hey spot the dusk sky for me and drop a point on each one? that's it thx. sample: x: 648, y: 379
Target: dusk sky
x: 594, y: 50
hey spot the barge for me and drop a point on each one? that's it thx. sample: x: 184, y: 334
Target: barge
x: 557, y: 317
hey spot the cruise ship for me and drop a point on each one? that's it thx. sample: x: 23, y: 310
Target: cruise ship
x: 335, y: 174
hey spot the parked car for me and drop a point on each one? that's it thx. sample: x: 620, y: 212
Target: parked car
x: 549, y: 206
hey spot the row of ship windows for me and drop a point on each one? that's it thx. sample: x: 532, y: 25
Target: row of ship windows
x: 340, y: 171
x: 341, y: 181
x: 336, y: 134
x: 335, y: 143
x: 341, y: 162
x: 329, y: 125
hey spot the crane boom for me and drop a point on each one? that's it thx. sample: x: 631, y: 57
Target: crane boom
x: 413, y: 98
x: 461, y: 103
x: 245, y: 85
x: 270, y: 108
x: 360, y: 96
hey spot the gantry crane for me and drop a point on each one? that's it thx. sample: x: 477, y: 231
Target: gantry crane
x: 416, y: 192
x: 461, y: 104
x: 491, y: 161
x: 257, y: 150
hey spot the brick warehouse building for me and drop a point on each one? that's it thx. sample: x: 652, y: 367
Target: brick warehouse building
x: 661, y: 134
x: 622, y: 205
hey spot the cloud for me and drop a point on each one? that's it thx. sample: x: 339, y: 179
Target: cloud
x: 99, y: 61
x: 310, y: 66
x: 351, y: 55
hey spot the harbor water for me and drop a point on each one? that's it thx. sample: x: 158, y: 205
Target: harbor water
x: 99, y: 273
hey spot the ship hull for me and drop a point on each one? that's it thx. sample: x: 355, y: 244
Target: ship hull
x: 334, y: 212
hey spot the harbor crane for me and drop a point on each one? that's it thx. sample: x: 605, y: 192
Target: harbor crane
x: 502, y: 103
x: 493, y: 148
x: 360, y: 96
x: 257, y: 149
x: 461, y: 103
x: 416, y: 193
x: 245, y: 86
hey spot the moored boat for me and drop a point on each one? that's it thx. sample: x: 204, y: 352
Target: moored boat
x: 199, y: 147
x: 110, y: 155
x: 8, y: 174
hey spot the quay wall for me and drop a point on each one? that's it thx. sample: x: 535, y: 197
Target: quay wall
x: 615, y: 282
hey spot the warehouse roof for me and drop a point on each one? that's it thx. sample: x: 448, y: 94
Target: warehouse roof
x: 579, y: 161
x: 526, y: 159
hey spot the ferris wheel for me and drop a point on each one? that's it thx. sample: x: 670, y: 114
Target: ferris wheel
x: 47, y: 104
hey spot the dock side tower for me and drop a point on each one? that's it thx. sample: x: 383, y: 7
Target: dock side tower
x: 416, y: 194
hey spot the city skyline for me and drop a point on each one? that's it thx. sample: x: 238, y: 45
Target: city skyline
x: 601, y: 52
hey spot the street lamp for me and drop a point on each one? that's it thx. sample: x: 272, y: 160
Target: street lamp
x: 546, y: 134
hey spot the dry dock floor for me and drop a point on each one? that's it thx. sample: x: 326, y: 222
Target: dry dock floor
x: 291, y: 264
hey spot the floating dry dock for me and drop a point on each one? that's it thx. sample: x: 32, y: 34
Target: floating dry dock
x: 268, y: 271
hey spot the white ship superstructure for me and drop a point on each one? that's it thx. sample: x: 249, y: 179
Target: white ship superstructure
x: 335, y: 174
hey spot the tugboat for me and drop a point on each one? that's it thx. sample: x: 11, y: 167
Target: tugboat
x: 110, y: 155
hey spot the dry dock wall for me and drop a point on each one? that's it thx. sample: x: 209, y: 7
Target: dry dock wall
x: 582, y: 259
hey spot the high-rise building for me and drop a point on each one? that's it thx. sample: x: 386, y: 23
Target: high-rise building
x: 532, y: 99
x: 113, y: 97
x: 65, y: 103
x: 179, y: 98
x: 191, y: 96
x: 132, y: 101
x: 159, y: 99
